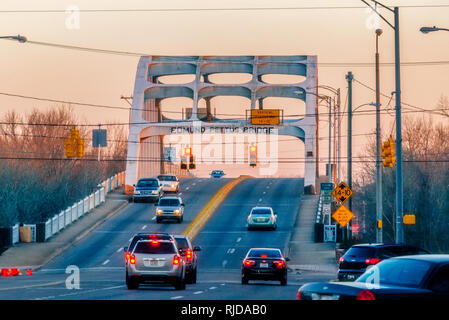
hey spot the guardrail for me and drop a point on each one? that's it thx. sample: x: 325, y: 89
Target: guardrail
x: 71, y: 214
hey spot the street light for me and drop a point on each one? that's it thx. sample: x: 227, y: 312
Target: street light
x: 432, y: 29
x: 19, y: 38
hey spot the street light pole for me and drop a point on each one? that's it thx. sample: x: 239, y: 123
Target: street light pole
x: 432, y: 29
x: 379, y: 211
x: 329, y: 172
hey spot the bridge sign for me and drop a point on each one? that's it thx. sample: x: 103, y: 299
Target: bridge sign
x: 342, y: 192
x: 342, y: 215
x: 265, y: 116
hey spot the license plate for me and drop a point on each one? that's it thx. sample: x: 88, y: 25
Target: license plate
x: 325, y: 296
x: 153, y: 263
x: 264, y: 265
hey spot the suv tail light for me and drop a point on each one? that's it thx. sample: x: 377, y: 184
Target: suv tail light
x: 176, y: 260
x: 279, y: 263
x: 298, y: 295
x: 365, y: 295
x: 189, y: 254
x: 249, y: 262
x: 132, y: 259
x: 127, y: 256
x: 372, y: 261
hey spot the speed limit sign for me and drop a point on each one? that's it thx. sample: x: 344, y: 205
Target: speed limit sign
x: 342, y: 192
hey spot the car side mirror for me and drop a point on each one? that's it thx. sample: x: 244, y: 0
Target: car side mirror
x: 181, y: 252
x: 197, y: 248
x: 134, y: 185
x: 182, y: 204
x: 287, y: 259
x: 125, y: 249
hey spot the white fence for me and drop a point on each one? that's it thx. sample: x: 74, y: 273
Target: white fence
x: 72, y: 213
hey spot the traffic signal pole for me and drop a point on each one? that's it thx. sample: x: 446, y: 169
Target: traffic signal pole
x: 379, y: 211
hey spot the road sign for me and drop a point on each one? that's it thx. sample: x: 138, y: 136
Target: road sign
x: 99, y: 138
x: 170, y: 154
x: 342, y: 215
x: 329, y: 186
x: 265, y: 116
x: 409, y: 219
x: 330, y: 233
x: 342, y: 192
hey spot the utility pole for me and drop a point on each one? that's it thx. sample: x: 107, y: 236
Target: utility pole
x: 379, y: 209
x: 329, y: 172
x: 339, y: 134
x: 349, y: 77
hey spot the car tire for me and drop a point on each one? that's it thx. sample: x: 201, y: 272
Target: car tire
x: 158, y: 220
x: 244, y: 280
x: 283, y: 281
x: 193, y: 276
x: 275, y: 227
x: 132, y: 284
x: 180, y: 220
x: 180, y: 284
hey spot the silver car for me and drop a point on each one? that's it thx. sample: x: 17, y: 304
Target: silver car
x: 170, y: 183
x: 262, y: 217
x: 170, y: 208
x: 155, y: 261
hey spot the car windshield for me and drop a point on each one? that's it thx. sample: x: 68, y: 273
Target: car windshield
x: 400, y: 272
x: 182, y: 243
x: 261, y: 211
x: 147, y: 183
x: 157, y: 247
x: 361, y: 252
x: 258, y: 253
x: 167, y: 178
x: 169, y: 203
x: 217, y: 172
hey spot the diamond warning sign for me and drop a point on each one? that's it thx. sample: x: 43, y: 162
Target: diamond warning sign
x: 342, y: 192
x: 342, y: 215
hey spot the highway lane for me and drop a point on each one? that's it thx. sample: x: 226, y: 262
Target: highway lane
x: 100, y: 254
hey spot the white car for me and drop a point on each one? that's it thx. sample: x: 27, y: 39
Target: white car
x: 262, y: 217
x: 170, y: 183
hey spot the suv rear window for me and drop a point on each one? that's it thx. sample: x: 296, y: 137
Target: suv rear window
x: 169, y: 203
x: 147, y: 183
x: 159, y: 248
x: 182, y: 243
x: 362, y: 252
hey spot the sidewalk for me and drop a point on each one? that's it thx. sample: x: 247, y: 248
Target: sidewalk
x: 304, y: 253
x: 36, y: 254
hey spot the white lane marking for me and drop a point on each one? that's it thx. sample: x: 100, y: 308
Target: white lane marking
x: 239, y: 239
x: 231, y: 250
x: 264, y: 192
x: 106, y: 262
x: 198, y: 292
x: 187, y: 188
x: 177, y: 297
x: 212, y: 288
x: 144, y: 227
x: 260, y: 200
x: 119, y: 249
x: 225, y: 262
x: 154, y: 218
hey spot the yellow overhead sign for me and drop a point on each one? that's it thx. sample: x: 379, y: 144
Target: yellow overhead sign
x: 265, y: 116
x: 342, y: 215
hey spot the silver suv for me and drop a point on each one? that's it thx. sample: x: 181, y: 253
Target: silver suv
x: 170, y: 208
x: 155, y: 261
x: 170, y: 183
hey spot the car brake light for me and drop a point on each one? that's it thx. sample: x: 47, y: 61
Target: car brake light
x: 189, y: 254
x: 372, y: 261
x: 127, y: 256
x: 365, y: 295
x: 298, y: 295
x: 249, y: 262
x: 176, y: 260
x: 132, y: 259
x: 264, y: 256
x: 154, y: 242
x: 341, y: 260
x: 279, y: 263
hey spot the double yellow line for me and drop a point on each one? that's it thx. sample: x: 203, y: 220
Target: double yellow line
x: 200, y: 220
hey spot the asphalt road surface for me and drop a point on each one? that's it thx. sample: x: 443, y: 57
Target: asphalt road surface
x: 224, y: 241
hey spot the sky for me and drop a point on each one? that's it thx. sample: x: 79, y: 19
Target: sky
x: 335, y: 35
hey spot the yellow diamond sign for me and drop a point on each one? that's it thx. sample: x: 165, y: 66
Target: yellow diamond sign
x: 342, y: 192
x: 342, y: 215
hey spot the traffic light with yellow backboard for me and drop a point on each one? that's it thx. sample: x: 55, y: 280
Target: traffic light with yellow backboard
x: 388, y: 153
x: 252, y: 155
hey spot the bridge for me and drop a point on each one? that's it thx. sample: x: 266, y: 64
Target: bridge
x: 148, y: 124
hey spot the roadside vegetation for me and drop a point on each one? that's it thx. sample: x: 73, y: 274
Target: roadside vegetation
x: 426, y: 186
x: 36, y: 179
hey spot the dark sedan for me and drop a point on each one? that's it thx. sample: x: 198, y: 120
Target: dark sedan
x: 264, y: 264
x: 401, y: 278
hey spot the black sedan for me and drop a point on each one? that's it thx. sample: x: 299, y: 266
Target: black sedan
x: 400, y: 278
x: 264, y: 264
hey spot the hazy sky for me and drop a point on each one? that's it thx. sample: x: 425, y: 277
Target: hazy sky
x: 337, y: 35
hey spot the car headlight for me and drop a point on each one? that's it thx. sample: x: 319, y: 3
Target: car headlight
x: 154, y: 191
x: 137, y: 192
x: 159, y: 211
x: 172, y: 186
x: 177, y: 211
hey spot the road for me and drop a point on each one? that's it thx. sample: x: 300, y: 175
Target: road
x: 224, y: 241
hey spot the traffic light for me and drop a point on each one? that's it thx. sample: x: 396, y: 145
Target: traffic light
x: 388, y: 154
x: 253, y: 155
x: 69, y: 148
x: 183, y: 163
x: 80, y: 148
x: 192, y: 162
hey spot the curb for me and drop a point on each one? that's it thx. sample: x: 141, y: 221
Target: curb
x: 82, y: 235
x: 290, y: 235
